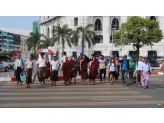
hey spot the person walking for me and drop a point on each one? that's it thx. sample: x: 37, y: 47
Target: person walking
x: 117, y: 62
x: 83, y: 67
x: 66, y: 67
x: 18, y: 68
x: 132, y: 67
x: 47, y: 70
x: 89, y: 67
x: 79, y: 59
x: 102, y: 68
x: 112, y: 67
x: 29, y: 68
x: 54, y: 68
x: 125, y: 69
x: 41, y: 68
x: 94, y: 68
x: 145, y: 67
x: 72, y: 63
x: 76, y: 68
x: 138, y: 68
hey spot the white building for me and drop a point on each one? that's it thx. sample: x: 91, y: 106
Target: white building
x: 104, y: 29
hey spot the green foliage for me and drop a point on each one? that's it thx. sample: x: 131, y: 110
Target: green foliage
x: 45, y: 43
x: 139, y: 32
x: 7, y: 53
x: 33, y: 41
x: 33, y: 55
x: 86, y: 34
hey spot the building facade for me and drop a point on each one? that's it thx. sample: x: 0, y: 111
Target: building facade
x: 24, y: 50
x: 104, y: 28
x: 36, y: 25
x: 9, y: 42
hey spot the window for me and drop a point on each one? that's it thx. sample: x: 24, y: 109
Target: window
x: 152, y: 55
x: 97, y: 53
x: 74, y: 54
x: 110, y: 38
x: 98, y: 39
x: 98, y: 26
x: 152, y: 18
x: 48, y: 33
x: 133, y: 54
x: 115, y: 24
x: 115, y: 53
x: 75, y: 21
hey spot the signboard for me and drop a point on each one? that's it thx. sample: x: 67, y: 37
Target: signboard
x: 16, y: 52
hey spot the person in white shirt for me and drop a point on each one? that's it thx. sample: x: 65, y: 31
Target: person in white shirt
x: 145, y: 68
x: 30, y: 67
x: 54, y: 68
x: 41, y: 68
x: 112, y: 67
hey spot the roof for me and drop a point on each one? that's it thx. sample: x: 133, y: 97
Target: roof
x: 48, y: 20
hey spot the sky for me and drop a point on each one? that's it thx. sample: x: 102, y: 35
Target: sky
x: 18, y: 24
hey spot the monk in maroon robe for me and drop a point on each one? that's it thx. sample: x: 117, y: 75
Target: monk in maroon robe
x: 83, y: 67
x: 72, y: 63
x: 47, y: 70
x: 66, y: 70
x: 94, y: 68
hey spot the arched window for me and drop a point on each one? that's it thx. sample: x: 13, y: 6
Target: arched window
x: 98, y: 26
x: 48, y: 33
x: 115, y: 24
x: 98, y: 39
x: 152, y: 18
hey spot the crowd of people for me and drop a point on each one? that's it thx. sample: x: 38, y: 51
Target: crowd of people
x: 88, y: 68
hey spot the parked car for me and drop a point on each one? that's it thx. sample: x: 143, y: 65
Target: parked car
x: 4, y: 66
x: 154, y: 63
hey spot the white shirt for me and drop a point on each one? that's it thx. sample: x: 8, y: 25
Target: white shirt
x: 63, y: 58
x: 102, y: 63
x: 41, y: 62
x: 29, y: 65
x: 19, y: 63
x: 112, y: 67
x: 145, y: 67
x: 55, y: 65
x: 33, y: 66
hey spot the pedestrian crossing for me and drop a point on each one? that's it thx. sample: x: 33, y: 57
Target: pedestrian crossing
x: 71, y: 95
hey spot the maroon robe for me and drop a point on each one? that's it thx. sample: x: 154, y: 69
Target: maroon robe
x: 47, y: 71
x: 66, y: 70
x: 94, y: 67
x: 72, y: 63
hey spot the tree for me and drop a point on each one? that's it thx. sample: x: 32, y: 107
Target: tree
x: 138, y: 32
x: 7, y: 54
x: 86, y: 35
x: 45, y: 43
x: 64, y: 33
x: 33, y: 55
x: 33, y: 41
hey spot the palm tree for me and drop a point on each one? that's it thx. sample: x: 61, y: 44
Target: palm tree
x: 86, y: 35
x: 45, y: 43
x: 64, y: 33
x: 33, y: 41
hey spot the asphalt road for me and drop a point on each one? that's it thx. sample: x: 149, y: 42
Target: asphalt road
x: 75, y: 95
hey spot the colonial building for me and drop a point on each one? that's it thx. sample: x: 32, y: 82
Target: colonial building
x: 104, y: 28
x: 24, y: 50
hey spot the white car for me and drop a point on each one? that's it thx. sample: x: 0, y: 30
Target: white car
x: 4, y: 66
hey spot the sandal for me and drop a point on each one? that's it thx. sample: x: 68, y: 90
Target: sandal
x: 147, y: 86
x: 139, y: 86
x: 127, y: 84
x: 111, y: 83
x: 122, y: 83
x: 131, y: 83
x: 144, y: 87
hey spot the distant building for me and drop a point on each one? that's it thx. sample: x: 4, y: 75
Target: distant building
x: 24, y: 50
x: 36, y: 25
x: 10, y: 42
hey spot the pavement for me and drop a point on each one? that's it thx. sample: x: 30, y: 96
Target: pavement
x: 75, y: 95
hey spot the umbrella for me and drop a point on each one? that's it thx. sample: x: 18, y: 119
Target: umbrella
x: 128, y: 57
x: 47, y: 51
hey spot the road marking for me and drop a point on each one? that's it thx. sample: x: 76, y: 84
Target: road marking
x: 75, y: 97
x: 56, y: 93
x: 63, y: 89
x: 115, y: 99
x: 72, y: 104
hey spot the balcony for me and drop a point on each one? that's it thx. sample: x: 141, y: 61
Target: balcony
x: 17, y: 45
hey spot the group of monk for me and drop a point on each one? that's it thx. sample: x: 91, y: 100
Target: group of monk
x: 70, y: 72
